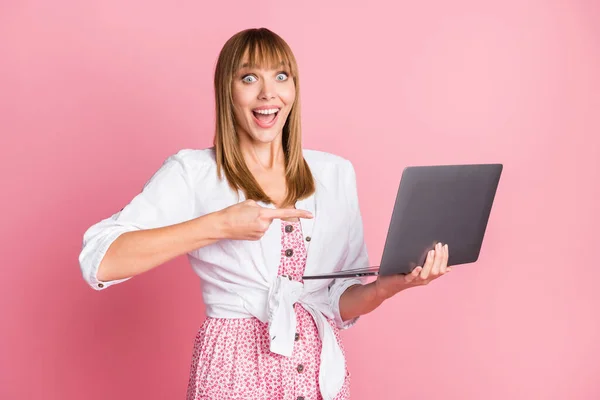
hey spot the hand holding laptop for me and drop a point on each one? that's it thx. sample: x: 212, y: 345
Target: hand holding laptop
x: 436, y: 265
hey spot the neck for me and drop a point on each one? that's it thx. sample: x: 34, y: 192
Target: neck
x: 263, y: 156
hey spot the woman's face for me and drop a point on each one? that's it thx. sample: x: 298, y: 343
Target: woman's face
x: 262, y: 100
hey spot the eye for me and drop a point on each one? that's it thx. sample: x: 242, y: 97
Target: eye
x: 282, y: 76
x: 248, y: 79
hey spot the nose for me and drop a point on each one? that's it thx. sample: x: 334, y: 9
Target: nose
x: 267, y: 90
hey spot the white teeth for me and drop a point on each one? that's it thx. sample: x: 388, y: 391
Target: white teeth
x: 267, y: 112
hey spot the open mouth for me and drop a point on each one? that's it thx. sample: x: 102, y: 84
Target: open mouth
x: 265, y: 118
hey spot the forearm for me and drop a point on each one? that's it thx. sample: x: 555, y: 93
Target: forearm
x: 139, y: 251
x: 358, y: 300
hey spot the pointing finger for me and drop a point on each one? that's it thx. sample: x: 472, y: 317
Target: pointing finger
x: 281, y: 213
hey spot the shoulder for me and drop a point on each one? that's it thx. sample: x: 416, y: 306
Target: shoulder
x: 321, y: 162
x: 193, y: 160
x: 192, y: 164
x: 324, y: 159
x: 194, y: 157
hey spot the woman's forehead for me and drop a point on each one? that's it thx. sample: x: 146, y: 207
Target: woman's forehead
x: 264, y: 58
x: 247, y: 64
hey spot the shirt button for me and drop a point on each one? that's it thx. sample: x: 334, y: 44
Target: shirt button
x: 308, y: 238
x: 300, y: 368
x: 289, y: 252
x: 297, y: 337
x: 289, y: 228
x: 100, y: 285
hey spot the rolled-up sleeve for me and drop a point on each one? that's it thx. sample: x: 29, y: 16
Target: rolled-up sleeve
x: 357, y: 250
x: 167, y: 198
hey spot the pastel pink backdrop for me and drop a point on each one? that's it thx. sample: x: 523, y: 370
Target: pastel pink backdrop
x: 95, y: 95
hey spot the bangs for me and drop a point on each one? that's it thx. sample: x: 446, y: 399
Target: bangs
x: 265, y: 50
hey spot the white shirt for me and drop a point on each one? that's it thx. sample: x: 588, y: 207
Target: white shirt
x: 239, y: 277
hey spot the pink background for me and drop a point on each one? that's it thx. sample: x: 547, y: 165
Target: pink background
x: 95, y: 95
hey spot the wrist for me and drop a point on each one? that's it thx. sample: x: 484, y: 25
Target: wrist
x: 359, y: 300
x: 222, y: 225
x: 213, y: 226
x: 382, y: 292
x: 376, y: 293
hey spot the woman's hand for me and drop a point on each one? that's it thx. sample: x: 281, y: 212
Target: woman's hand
x: 435, y: 266
x: 249, y: 221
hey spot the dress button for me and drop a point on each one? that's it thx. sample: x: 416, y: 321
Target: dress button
x: 300, y: 398
x: 308, y: 238
x: 297, y: 337
x: 289, y: 228
x: 289, y: 252
x: 300, y: 368
x: 100, y: 285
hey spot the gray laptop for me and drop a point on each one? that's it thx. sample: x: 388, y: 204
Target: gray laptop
x: 450, y: 204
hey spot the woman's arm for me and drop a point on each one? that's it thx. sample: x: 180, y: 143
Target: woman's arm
x: 139, y: 251
x: 146, y: 223
x: 136, y: 252
x: 362, y: 299
x: 358, y: 300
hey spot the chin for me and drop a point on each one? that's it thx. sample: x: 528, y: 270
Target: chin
x: 264, y: 137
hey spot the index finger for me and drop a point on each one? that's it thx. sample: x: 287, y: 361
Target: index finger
x: 281, y: 213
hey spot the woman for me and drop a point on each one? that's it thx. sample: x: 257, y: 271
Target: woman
x: 255, y: 213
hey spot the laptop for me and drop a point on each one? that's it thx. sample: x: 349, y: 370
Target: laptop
x: 450, y: 204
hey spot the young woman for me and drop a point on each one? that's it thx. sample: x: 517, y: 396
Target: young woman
x: 254, y: 214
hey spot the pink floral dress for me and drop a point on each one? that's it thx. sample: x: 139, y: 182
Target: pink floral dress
x: 232, y: 360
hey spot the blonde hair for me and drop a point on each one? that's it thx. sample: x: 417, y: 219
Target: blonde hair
x: 262, y: 48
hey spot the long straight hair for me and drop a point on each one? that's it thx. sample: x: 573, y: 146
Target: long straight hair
x: 262, y: 48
